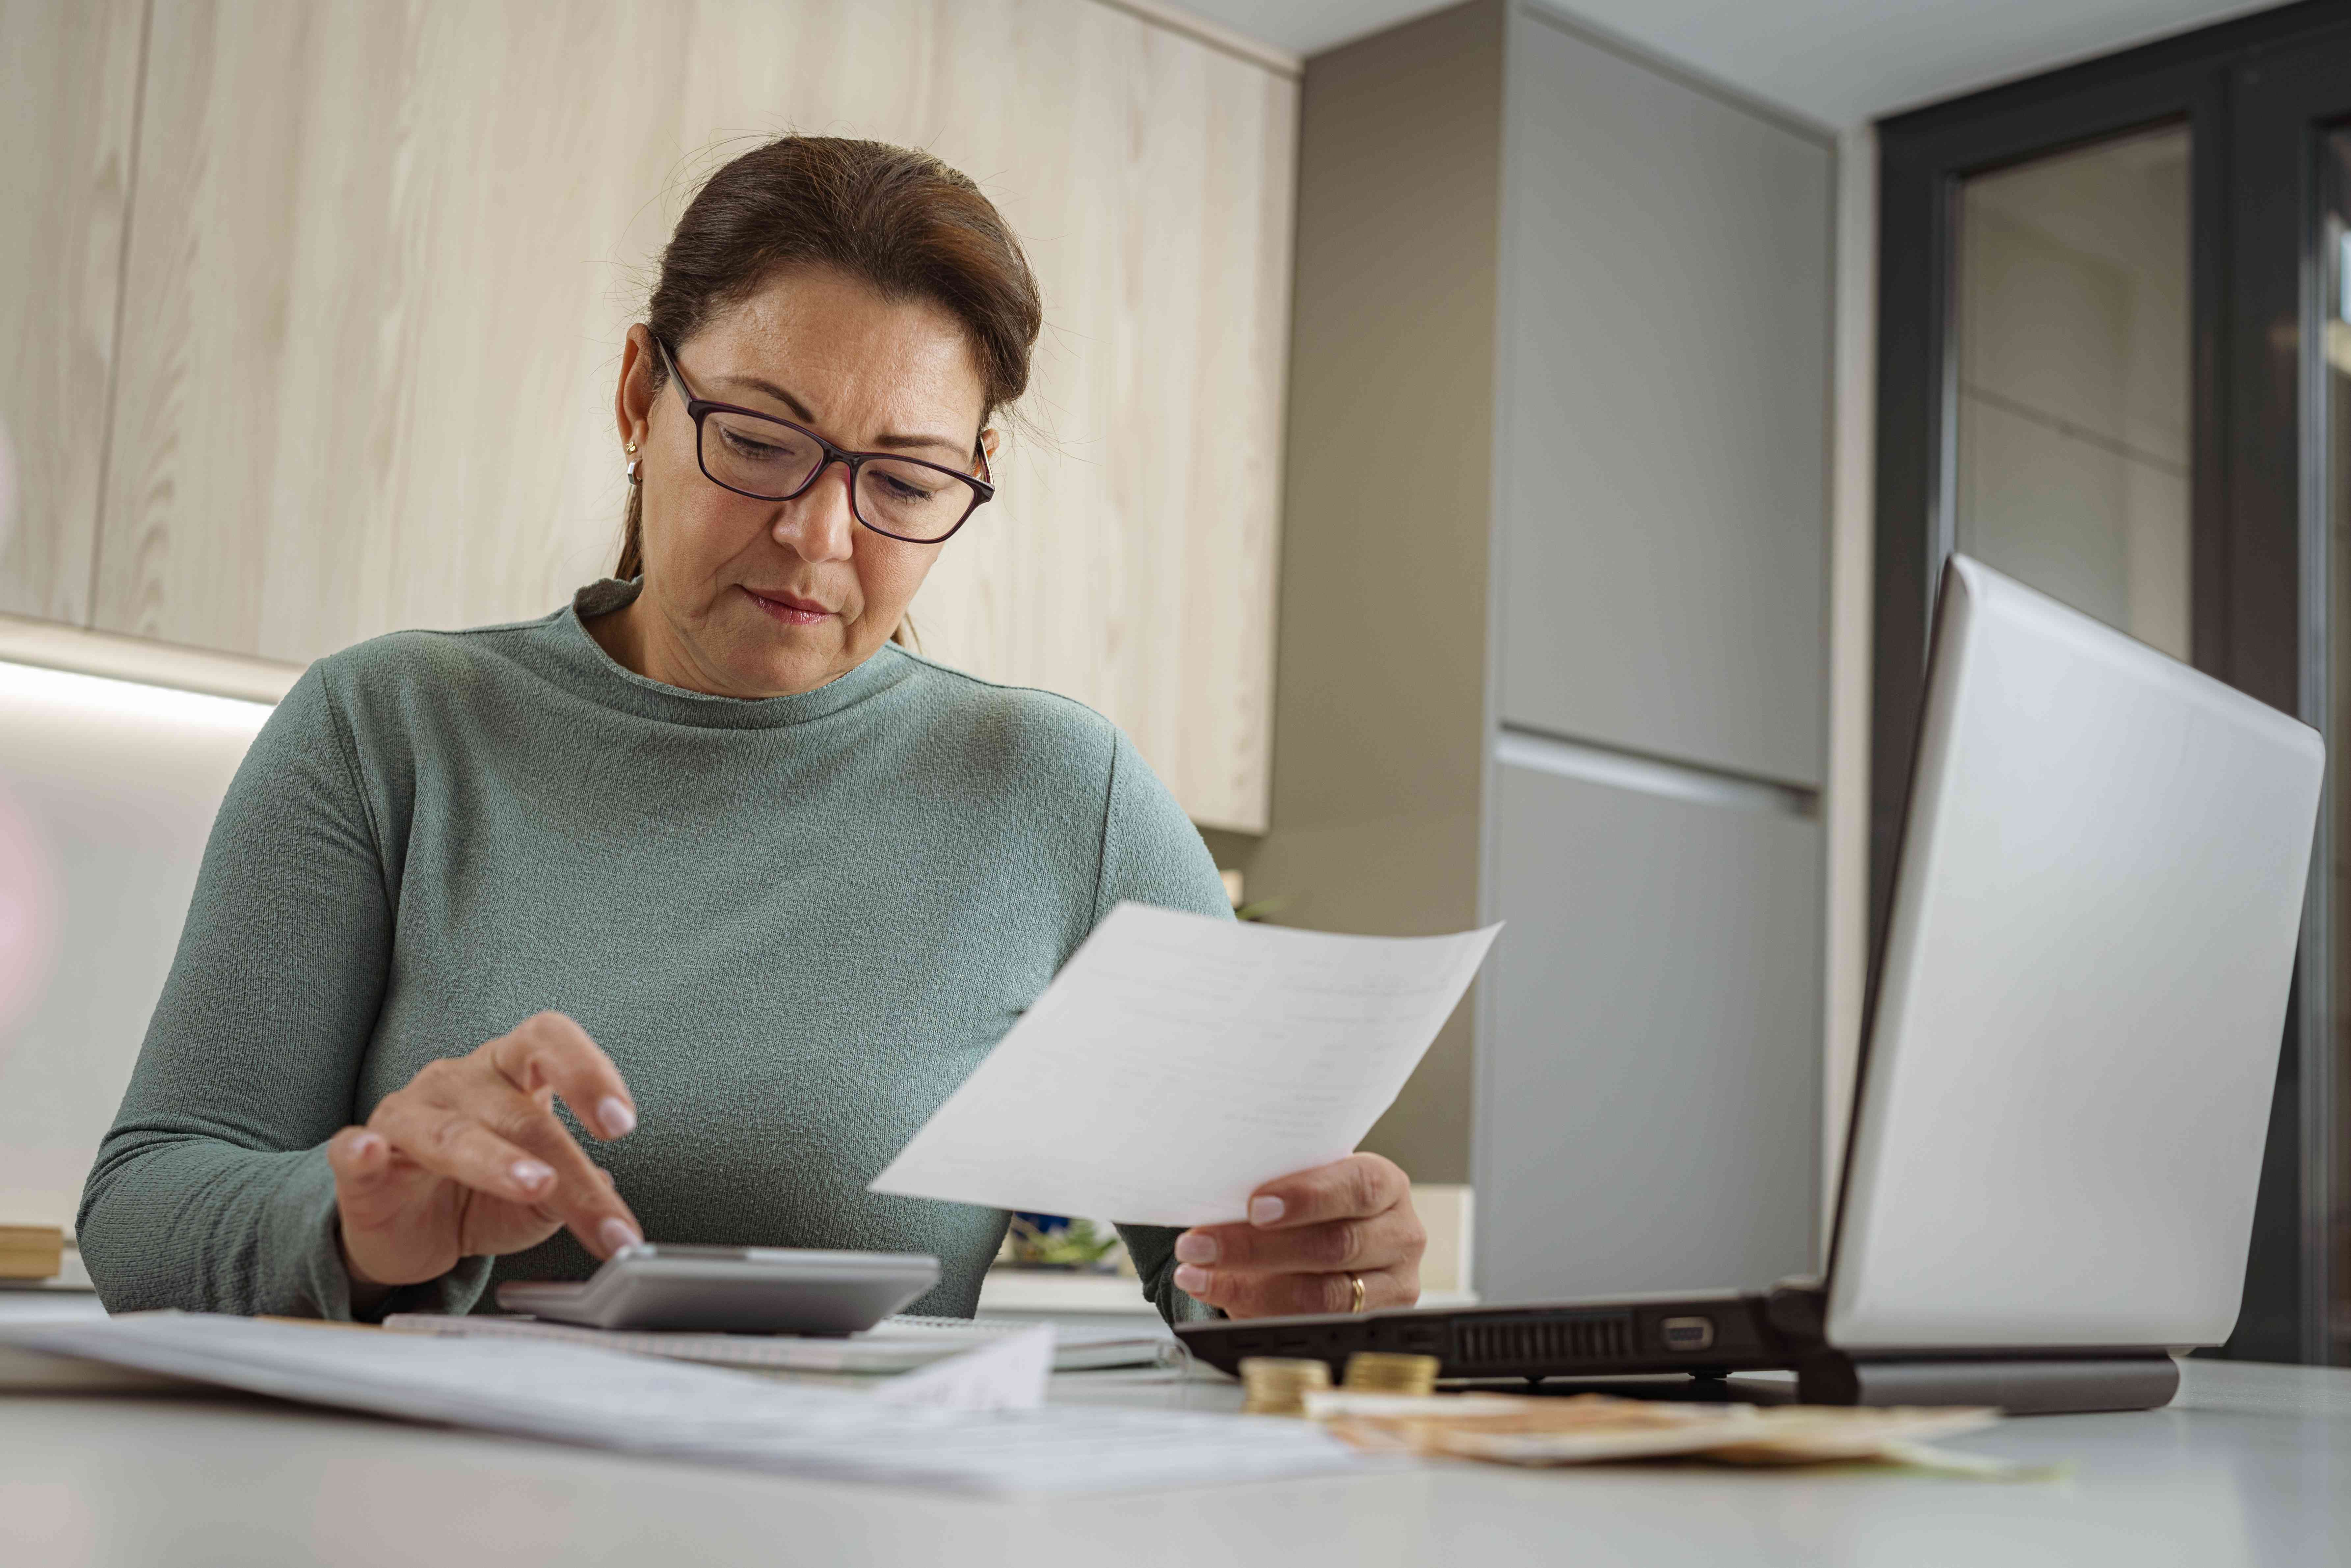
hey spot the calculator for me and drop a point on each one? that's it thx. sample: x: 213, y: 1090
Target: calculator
x: 731, y: 1289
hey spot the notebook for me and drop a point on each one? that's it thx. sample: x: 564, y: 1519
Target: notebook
x: 894, y: 1345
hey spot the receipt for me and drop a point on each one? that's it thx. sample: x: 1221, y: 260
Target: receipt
x: 1177, y: 1062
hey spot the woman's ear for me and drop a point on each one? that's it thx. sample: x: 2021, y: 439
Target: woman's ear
x: 632, y: 398
x: 989, y: 441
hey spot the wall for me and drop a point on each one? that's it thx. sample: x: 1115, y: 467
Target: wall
x: 1851, y: 587
x: 108, y: 792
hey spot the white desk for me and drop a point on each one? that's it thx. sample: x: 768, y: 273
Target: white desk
x: 2252, y: 1465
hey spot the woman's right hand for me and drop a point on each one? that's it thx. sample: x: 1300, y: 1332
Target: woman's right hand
x: 470, y: 1159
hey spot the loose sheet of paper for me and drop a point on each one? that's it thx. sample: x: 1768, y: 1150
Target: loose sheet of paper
x: 637, y: 1404
x: 1177, y: 1062
x: 1010, y: 1375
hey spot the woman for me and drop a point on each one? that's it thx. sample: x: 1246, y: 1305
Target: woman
x: 705, y: 856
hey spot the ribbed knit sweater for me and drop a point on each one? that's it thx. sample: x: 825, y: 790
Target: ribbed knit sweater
x: 795, y: 924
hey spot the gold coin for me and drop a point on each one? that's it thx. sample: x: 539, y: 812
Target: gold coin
x: 1278, y: 1385
x: 1380, y: 1371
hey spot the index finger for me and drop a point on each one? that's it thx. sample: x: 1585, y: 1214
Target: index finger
x: 547, y: 1050
x: 1352, y: 1188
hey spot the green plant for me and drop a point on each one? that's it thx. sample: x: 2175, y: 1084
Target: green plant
x: 1076, y: 1245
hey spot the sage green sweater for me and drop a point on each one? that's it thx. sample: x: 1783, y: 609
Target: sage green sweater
x: 796, y: 925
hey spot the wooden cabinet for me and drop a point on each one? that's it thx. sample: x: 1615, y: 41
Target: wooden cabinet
x: 68, y: 98
x: 380, y: 259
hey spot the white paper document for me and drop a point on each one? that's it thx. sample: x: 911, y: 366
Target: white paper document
x: 1010, y: 1375
x: 640, y: 1405
x: 1177, y: 1062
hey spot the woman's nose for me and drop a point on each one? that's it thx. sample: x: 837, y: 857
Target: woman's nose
x: 820, y: 523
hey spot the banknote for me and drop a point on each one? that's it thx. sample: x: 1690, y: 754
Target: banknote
x: 1589, y: 1428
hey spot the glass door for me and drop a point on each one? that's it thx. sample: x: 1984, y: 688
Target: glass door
x: 2329, y: 351
x: 2290, y: 460
x: 2069, y: 418
x: 2115, y: 361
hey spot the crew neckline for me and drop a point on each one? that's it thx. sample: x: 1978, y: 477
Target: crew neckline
x: 609, y: 680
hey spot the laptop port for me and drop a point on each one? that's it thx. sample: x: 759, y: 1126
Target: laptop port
x: 1689, y: 1334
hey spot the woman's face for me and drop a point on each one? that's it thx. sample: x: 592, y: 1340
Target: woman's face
x: 757, y: 599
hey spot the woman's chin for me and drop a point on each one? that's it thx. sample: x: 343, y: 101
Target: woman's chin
x: 802, y: 664
x: 761, y: 656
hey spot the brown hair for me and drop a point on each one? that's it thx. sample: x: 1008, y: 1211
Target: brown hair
x: 894, y: 218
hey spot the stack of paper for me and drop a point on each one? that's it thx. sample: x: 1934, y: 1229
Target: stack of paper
x: 571, y: 1395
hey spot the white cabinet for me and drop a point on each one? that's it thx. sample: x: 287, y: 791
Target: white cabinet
x: 1649, y: 1111
x: 1559, y: 436
x: 1665, y: 383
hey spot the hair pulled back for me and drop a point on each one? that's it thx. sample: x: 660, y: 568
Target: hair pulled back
x: 894, y: 218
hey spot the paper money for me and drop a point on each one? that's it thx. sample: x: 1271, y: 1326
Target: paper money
x: 1589, y: 1428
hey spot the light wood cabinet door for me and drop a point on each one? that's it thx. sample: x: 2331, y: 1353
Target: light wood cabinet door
x: 68, y: 98
x: 383, y: 257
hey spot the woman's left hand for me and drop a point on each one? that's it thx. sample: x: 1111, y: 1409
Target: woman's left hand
x: 1308, y: 1237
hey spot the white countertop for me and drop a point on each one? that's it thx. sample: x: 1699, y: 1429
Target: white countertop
x: 2251, y: 1465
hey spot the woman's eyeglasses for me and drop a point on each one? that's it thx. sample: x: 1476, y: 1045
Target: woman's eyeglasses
x: 770, y: 459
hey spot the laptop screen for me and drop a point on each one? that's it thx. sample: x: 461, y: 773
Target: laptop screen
x: 2079, y: 1005
x: 2082, y: 996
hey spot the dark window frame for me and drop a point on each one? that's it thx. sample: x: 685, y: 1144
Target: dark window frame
x: 2248, y: 561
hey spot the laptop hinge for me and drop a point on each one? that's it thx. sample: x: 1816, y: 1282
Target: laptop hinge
x: 2047, y: 1382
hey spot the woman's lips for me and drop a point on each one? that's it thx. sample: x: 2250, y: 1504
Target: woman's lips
x: 790, y: 608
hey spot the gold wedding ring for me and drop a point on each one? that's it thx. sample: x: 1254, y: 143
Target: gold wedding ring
x: 1357, y: 1281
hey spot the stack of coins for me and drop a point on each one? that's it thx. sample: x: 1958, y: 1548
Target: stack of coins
x: 1277, y: 1385
x: 1377, y: 1372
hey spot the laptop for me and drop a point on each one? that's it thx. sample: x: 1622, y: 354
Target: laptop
x: 2074, y: 1027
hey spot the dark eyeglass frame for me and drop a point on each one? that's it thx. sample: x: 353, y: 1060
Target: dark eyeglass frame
x: 699, y: 409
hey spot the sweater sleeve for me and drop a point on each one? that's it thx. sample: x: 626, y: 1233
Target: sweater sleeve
x: 1152, y: 854
x: 211, y: 1192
